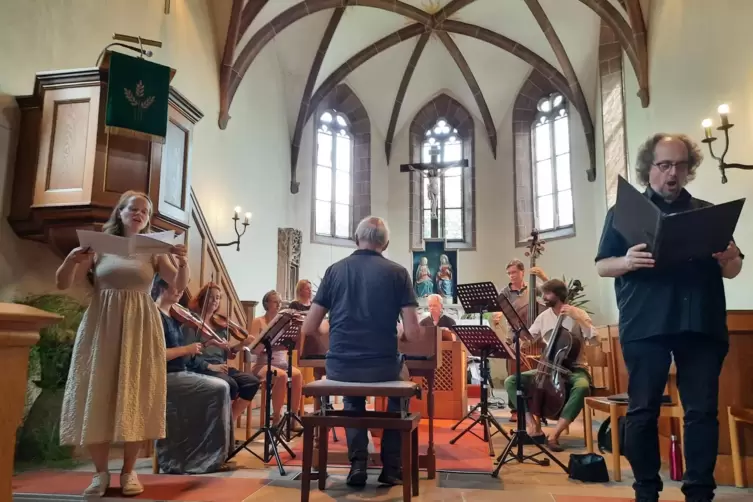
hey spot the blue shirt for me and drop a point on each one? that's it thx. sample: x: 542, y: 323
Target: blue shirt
x: 173, y: 338
x: 673, y: 299
x: 364, y: 294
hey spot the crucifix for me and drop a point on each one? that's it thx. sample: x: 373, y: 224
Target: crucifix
x: 432, y: 170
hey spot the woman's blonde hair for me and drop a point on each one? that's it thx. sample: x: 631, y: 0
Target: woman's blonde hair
x: 299, y: 286
x: 114, y: 224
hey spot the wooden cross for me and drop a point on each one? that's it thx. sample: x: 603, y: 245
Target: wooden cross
x: 432, y: 171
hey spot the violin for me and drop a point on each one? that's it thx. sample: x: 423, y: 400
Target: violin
x: 236, y: 330
x: 549, y: 389
x: 185, y: 316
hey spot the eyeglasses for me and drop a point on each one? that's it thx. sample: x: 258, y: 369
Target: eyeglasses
x: 667, y: 165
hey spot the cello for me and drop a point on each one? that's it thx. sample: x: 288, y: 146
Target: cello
x: 549, y: 389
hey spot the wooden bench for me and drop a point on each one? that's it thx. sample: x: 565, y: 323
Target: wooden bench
x: 404, y: 422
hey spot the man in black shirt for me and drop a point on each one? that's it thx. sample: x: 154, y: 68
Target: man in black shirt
x: 437, y: 318
x: 365, y: 294
x: 672, y: 312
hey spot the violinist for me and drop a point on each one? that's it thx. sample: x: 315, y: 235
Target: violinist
x: 199, y: 425
x: 302, y: 296
x: 271, y: 302
x: 213, y: 360
x: 554, y: 294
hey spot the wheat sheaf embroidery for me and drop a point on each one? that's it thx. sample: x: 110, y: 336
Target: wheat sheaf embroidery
x: 138, y: 101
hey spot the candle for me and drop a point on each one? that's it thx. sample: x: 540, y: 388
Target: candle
x: 706, y: 124
x: 248, y: 217
x: 237, y: 211
x: 723, y: 112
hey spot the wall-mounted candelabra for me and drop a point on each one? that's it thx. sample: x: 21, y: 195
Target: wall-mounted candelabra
x: 239, y: 234
x: 709, y: 139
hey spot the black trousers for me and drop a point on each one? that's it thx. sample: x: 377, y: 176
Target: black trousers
x: 698, y: 359
x: 243, y: 385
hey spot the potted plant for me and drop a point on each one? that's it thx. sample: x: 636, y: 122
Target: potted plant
x: 49, y: 362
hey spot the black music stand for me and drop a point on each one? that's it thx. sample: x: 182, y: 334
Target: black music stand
x: 482, y: 342
x: 269, y: 339
x: 520, y: 436
x: 289, y: 339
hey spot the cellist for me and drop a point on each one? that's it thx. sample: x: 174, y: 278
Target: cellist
x: 554, y: 293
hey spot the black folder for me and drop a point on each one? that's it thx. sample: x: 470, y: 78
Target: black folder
x: 688, y: 235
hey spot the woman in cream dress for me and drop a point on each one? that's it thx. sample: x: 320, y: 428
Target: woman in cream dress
x: 116, y: 388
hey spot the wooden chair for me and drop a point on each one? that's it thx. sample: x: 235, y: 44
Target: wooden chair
x: 323, y: 420
x: 736, y: 415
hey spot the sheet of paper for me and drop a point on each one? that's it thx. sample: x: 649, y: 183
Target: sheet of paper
x: 166, y: 236
x: 152, y: 243
x: 102, y: 243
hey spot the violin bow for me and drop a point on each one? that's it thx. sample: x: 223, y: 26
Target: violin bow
x: 204, y: 307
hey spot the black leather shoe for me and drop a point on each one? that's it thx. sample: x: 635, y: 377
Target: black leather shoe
x: 358, y: 474
x: 390, y: 477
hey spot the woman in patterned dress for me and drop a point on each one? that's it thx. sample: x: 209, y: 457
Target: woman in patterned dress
x: 116, y: 388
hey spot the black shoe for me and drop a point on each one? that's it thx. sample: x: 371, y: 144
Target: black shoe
x: 358, y: 474
x: 653, y: 498
x: 390, y: 477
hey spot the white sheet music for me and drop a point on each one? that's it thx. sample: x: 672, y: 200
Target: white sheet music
x: 101, y: 243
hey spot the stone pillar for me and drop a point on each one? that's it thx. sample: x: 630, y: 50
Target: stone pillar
x: 19, y: 330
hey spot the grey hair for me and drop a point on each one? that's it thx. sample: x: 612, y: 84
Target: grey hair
x: 646, y: 155
x: 434, y: 296
x: 373, y: 230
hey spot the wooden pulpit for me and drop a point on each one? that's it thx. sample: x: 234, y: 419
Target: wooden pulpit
x: 19, y: 330
x: 70, y: 172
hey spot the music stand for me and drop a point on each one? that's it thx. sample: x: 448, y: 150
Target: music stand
x: 482, y: 342
x: 288, y: 339
x: 520, y: 435
x: 269, y: 338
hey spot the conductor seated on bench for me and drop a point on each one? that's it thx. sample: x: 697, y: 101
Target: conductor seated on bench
x: 365, y: 294
x: 554, y: 294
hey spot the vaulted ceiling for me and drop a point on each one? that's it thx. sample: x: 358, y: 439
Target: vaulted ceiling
x: 397, y: 55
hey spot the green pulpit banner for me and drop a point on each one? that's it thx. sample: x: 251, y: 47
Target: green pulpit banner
x: 137, y: 94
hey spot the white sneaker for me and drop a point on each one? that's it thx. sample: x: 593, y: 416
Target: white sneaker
x: 100, y: 484
x: 129, y: 484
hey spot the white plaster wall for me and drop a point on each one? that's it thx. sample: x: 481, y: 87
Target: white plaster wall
x: 699, y: 57
x: 245, y: 165
x: 315, y: 258
x: 495, y: 217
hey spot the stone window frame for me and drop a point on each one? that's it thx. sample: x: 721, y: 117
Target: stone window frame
x: 525, y: 111
x: 344, y: 101
x: 458, y: 117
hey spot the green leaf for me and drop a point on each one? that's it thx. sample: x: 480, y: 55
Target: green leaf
x: 50, y: 358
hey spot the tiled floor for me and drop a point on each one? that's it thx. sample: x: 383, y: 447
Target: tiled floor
x: 516, y: 482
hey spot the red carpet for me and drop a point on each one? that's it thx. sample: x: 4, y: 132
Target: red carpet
x: 587, y: 498
x: 156, y: 487
x: 468, y: 454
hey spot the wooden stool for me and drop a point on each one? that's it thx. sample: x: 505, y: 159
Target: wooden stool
x: 323, y: 420
x: 617, y: 409
x: 735, y: 415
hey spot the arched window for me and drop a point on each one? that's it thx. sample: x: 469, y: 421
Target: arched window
x: 553, y: 195
x: 333, y: 207
x: 442, y: 143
